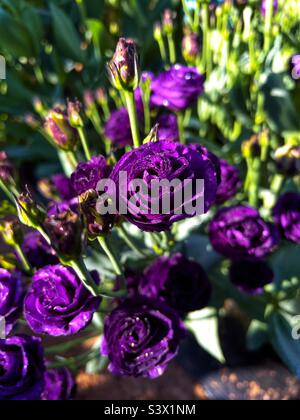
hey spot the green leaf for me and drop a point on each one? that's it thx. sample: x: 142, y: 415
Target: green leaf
x: 67, y: 40
x: 285, y: 263
x: 286, y: 345
x: 14, y: 37
x: 279, y: 107
x: 97, y: 29
x: 204, y: 325
x: 34, y: 26
x: 257, y: 335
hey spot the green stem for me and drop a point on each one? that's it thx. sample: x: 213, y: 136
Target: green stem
x: 84, y: 143
x: 172, y: 49
x: 206, y: 39
x: 180, y: 122
x: 130, y: 102
x: 268, y: 24
x: 23, y: 258
x: 114, y: 262
x: 163, y: 51
x: 7, y: 192
x: 84, y: 275
x: 38, y: 74
x: 72, y: 159
x: 130, y: 243
x: 255, y: 182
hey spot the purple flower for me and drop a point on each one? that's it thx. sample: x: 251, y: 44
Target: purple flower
x: 183, y: 284
x: 230, y: 182
x: 263, y: 7
x: 21, y: 369
x: 239, y: 231
x: 63, y: 186
x: 57, y: 303
x: 287, y: 216
x: 164, y: 161
x: 177, y: 88
x: 38, y: 251
x: 61, y: 207
x: 141, y: 337
x: 11, y: 298
x: 117, y: 129
x: 88, y: 174
x: 251, y: 276
x: 295, y: 67
x: 168, y: 128
x: 59, y: 385
x: 287, y: 160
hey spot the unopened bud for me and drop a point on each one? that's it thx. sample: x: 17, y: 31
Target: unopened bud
x: 168, y: 21
x: 124, y: 69
x: 190, y: 47
x: 96, y: 224
x: 66, y: 234
x: 74, y: 114
x: 288, y: 160
x: 251, y: 148
x: 58, y: 127
x: 29, y: 212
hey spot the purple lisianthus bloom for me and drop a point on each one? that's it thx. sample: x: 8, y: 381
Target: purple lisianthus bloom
x: 250, y: 276
x: 177, y: 88
x: 37, y: 250
x: 239, y: 231
x: 57, y: 303
x: 295, y: 67
x: 230, y: 182
x: 287, y: 216
x: 60, y: 385
x: 11, y: 298
x: 166, y: 161
x: 88, y: 174
x: 168, y: 128
x: 63, y: 186
x: 263, y: 7
x: 63, y: 206
x: 118, y: 130
x: 22, y: 369
x: 181, y: 283
x: 141, y: 337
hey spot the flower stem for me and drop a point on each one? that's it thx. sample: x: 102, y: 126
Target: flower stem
x: 84, y: 143
x: 130, y: 243
x: 7, y: 192
x: 84, y: 275
x: 114, y: 262
x: 180, y: 122
x: 206, y: 36
x: 268, y: 24
x: 130, y: 102
x: 162, y: 50
x: 172, y: 49
x: 23, y: 258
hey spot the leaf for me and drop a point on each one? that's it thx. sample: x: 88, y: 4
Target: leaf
x: 14, y: 37
x: 285, y: 263
x: 279, y: 107
x: 198, y: 247
x: 67, y: 40
x: 97, y: 30
x: 281, y: 336
x: 34, y: 26
x: 204, y: 325
x: 257, y: 335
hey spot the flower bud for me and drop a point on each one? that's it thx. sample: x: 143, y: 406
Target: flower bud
x: 157, y: 32
x: 74, y: 114
x: 190, y: 47
x: 11, y: 232
x: 251, y: 148
x: 124, y: 69
x: 29, y: 212
x: 6, y: 169
x: 168, y: 21
x: 89, y: 99
x: 288, y: 160
x: 101, y: 96
x: 58, y: 127
x: 96, y: 224
x: 66, y: 234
